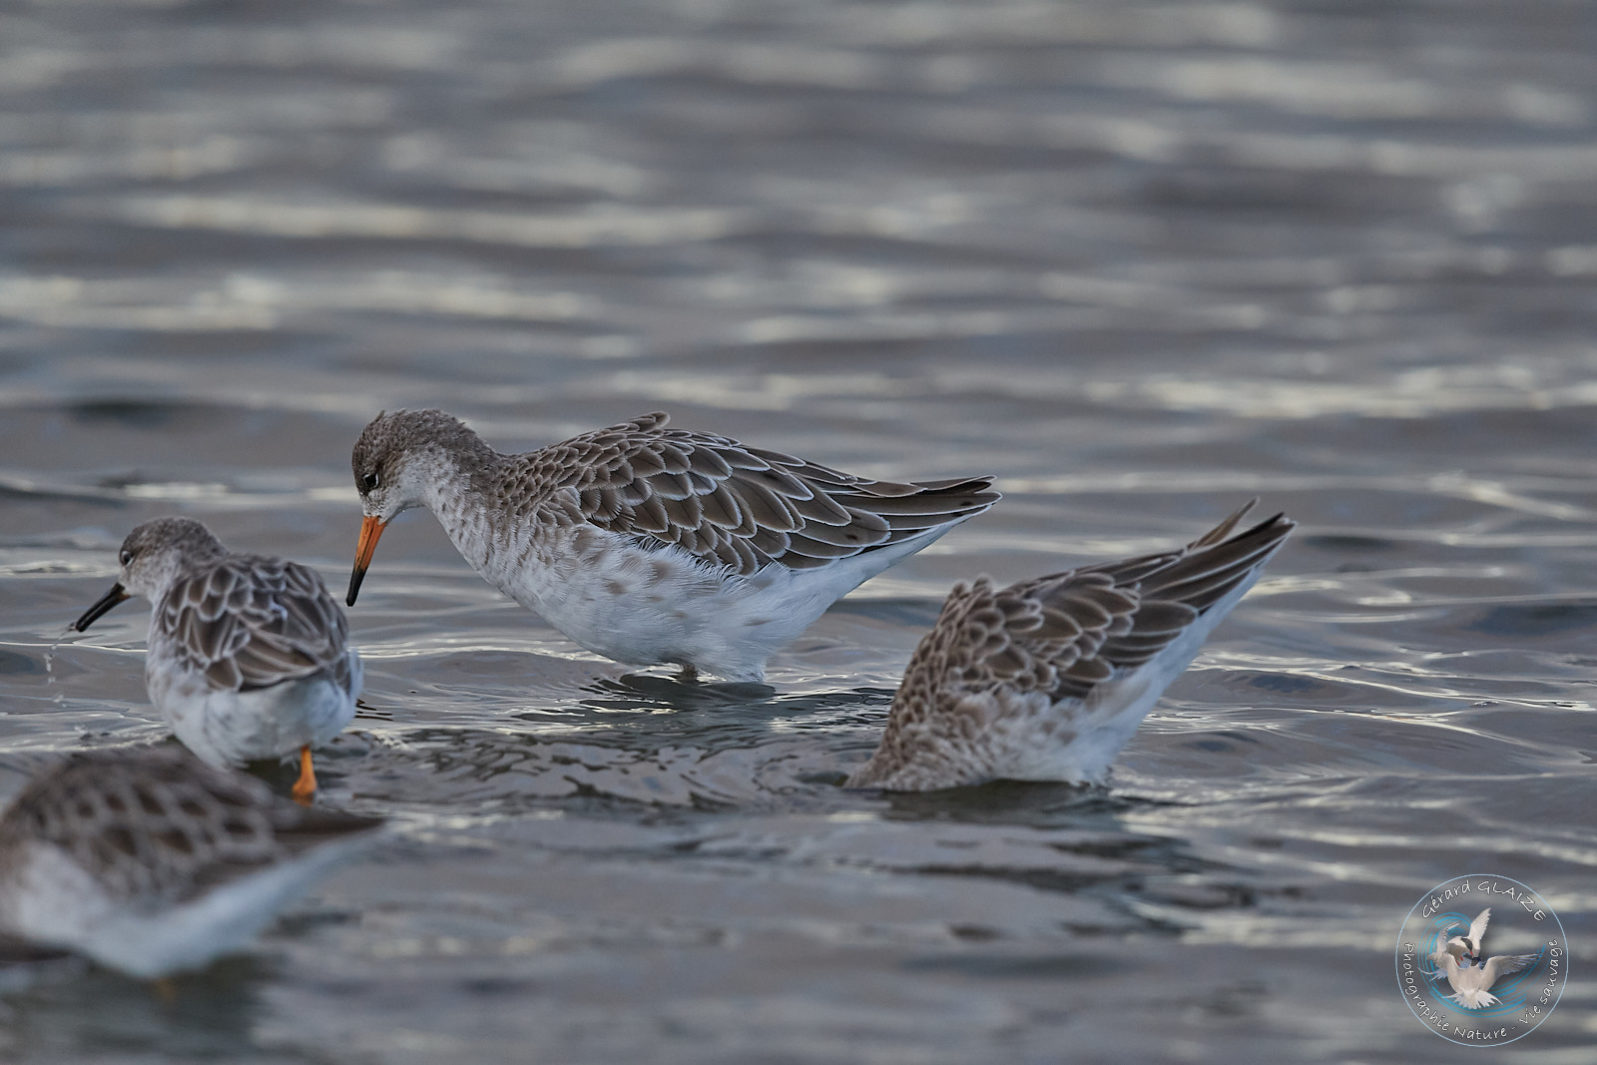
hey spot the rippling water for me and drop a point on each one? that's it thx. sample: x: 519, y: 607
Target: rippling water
x: 1141, y: 260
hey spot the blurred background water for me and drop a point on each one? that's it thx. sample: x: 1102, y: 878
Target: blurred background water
x: 1142, y: 260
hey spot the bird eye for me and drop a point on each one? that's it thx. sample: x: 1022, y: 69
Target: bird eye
x: 125, y: 557
x: 368, y: 483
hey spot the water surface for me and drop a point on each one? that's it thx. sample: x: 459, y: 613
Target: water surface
x: 1140, y: 260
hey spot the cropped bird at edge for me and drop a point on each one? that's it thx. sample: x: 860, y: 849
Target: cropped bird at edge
x: 1048, y: 679
x: 650, y: 545
x: 249, y: 654
x: 151, y: 862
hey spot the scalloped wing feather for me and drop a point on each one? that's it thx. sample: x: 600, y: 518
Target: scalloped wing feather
x: 740, y: 507
x: 251, y: 622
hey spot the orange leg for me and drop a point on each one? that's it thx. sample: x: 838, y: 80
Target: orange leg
x: 305, y: 786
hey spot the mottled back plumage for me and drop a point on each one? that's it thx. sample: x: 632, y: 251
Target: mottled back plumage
x: 157, y: 826
x: 251, y: 621
x: 151, y: 862
x: 741, y: 507
x: 1007, y: 673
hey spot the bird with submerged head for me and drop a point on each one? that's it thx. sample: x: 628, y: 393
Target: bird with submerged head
x: 1049, y: 678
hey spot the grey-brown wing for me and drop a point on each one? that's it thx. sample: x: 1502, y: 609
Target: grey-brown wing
x: 986, y: 647
x: 157, y: 824
x: 1173, y: 590
x: 1024, y: 638
x: 1067, y: 632
x: 252, y: 622
x: 742, y: 507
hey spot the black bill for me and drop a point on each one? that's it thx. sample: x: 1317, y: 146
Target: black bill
x: 106, y: 602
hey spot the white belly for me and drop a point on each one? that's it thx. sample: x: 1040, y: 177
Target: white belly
x: 232, y: 727
x: 644, y: 607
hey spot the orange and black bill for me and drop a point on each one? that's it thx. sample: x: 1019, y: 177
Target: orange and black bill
x: 101, y: 608
x: 370, y: 529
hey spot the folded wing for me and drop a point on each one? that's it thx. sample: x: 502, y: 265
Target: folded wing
x: 743, y: 507
x: 159, y: 825
x: 251, y: 622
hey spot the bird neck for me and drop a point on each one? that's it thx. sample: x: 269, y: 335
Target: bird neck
x: 459, y: 487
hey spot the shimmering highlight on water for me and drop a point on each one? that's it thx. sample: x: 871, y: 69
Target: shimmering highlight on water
x: 1143, y: 260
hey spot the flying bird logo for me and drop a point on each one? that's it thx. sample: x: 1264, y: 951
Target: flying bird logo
x: 1463, y: 963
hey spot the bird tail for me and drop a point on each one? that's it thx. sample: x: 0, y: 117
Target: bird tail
x: 1474, y: 999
